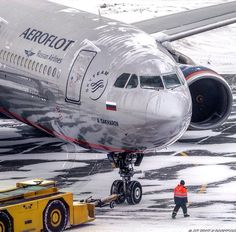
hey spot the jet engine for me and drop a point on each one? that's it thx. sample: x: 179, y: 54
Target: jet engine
x: 211, y: 97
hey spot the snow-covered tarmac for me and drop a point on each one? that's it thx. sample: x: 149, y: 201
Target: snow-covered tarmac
x: 206, y: 160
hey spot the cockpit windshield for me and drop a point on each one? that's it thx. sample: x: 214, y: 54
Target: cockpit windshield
x: 121, y: 80
x: 171, y: 81
x: 150, y: 82
x: 132, y: 81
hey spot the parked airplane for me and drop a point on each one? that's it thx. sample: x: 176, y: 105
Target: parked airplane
x: 107, y: 85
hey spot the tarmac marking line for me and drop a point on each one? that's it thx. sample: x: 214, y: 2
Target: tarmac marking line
x: 202, y: 189
x: 183, y: 153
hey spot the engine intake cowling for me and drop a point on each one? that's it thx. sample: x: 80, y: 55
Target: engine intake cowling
x: 211, y: 97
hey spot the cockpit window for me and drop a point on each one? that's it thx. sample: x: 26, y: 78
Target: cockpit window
x: 121, y: 80
x: 151, y: 82
x: 133, y: 82
x: 171, y: 81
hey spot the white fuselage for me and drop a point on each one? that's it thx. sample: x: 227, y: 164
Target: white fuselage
x: 58, y: 69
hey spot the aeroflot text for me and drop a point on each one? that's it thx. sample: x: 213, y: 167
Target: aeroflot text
x: 46, y: 39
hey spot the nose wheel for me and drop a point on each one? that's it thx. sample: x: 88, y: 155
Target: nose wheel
x: 118, y: 188
x: 135, y: 193
x: 128, y: 190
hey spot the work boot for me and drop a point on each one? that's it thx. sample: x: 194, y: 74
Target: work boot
x: 173, y: 215
x: 186, y: 215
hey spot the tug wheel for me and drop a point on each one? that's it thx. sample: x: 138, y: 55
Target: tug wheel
x: 118, y: 188
x: 5, y: 223
x: 55, y: 216
x: 134, y: 194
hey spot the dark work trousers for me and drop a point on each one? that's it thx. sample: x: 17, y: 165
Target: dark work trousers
x: 183, y: 206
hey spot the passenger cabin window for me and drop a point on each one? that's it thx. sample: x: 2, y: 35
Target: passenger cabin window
x: 14, y: 61
x: 8, y: 56
x: 54, y: 72
x: 18, y: 60
x: 151, y: 82
x: 45, y: 69
x: 33, y: 65
x: 28, y: 63
x: 49, y: 71
x: 22, y: 61
x: 121, y: 80
x: 40, y: 67
x: 133, y: 82
x: 36, y: 67
x: 171, y: 81
x: 12, y: 56
x: 4, y: 55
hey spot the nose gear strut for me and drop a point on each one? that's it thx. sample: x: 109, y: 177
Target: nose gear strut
x: 128, y: 190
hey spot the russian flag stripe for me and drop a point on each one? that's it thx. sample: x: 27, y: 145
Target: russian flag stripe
x: 111, y: 106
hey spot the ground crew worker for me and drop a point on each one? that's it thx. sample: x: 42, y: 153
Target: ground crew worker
x: 181, y: 198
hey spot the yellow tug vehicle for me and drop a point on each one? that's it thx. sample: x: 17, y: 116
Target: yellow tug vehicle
x: 38, y: 206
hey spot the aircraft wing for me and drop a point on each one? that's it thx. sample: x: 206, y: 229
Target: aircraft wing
x: 184, y: 24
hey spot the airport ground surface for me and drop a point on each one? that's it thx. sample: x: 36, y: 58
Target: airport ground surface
x: 206, y: 160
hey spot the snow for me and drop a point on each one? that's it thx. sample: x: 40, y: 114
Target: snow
x: 209, y: 48
x: 215, y: 49
x: 198, y: 134
x: 213, y: 148
x: 206, y: 174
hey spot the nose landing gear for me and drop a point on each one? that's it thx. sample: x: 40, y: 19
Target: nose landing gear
x: 128, y: 190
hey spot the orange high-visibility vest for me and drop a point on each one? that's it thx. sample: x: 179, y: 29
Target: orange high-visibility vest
x: 180, y: 191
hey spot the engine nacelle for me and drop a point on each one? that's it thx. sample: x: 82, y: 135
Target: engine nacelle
x: 211, y: 97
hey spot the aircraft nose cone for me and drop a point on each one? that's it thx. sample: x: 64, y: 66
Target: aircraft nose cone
x: 174, y: 107
x: 169, y: 106
x: 169, y: 113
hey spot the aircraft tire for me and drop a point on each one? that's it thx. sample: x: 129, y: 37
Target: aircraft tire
x: 55, y: 216
x: 118, y: 188
x: 5, y: 222
x: 134, y: 195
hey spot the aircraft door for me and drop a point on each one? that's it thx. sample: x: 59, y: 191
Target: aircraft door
x: 77, y: 74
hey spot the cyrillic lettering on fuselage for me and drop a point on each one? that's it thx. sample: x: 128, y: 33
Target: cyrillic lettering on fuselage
x: 47, y: 39
x: 107, y: 122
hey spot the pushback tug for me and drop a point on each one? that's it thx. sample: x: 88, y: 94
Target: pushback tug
x: 38, y: 205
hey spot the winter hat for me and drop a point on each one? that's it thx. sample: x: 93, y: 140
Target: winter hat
x: 182, y: 182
